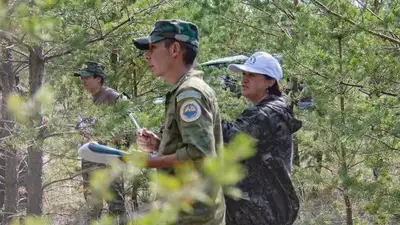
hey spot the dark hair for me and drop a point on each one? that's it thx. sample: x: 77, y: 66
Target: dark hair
x: 274, y: 89
x: 101, y: 79
x: 189, y: 51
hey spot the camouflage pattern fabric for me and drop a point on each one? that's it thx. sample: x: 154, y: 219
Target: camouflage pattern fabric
x: 92, y: 68
x: 193, y: 131
x: 170, y: 29
x: 269, y: 196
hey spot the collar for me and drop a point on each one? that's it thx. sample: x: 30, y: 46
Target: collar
x: 268, y: 98
x: 101, y: 90
x: 183, y: 78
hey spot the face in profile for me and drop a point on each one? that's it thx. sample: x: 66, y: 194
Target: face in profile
x: 254, y: 86
x: 90, y: 83
x: 158, y: 58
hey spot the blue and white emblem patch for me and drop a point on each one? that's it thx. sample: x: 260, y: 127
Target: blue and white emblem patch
x: 190, y: 111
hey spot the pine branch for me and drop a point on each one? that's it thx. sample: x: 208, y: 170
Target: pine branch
x: 103, y: 36
x: 361, y: 87
x: 248, y: 25
x: 14, y: 61
x: 271, y: 16
x: 288, y: 13
x: 19, y: 52
x: 383, y: 36
x: 368, y: 9
x: 21, y: 68
x: 71, y: 177
x: 59, y: 134
x: 11, y: 36
x: 146, y: 92
x: 382, y: 142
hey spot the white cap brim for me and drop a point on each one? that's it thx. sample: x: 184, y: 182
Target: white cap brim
x: 236, y: 68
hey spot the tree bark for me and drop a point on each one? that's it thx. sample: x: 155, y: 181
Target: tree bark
x: 294, y: 92
x: 35, y: 153
x: 8, y: 165
x: 22, y: 175
x: 349, y: 209
x: 2, y: 176
x: 135, y: 83
x: 34, y: 184
x: 11, y: 193
x: 114, y: 59
x: 376, y: 5
x: 344, y: 165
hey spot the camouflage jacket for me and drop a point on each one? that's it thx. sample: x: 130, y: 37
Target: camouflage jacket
x: 192, y: 121
x: 193, y: 131
x: 272, y: 124
x: 268, y: 193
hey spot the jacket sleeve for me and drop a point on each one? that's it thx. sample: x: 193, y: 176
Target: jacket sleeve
x: 251, y: 121
x: 196, y: 125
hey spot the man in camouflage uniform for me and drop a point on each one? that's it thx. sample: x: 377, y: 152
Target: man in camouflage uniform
x: 268, y: 194
x: 92, y: 78
x: 192, y: 121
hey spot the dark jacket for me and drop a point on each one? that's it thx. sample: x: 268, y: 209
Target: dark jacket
x: 268, y: 193
x: 272, y: 124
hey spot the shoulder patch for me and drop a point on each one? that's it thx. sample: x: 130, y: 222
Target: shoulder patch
x: 188, y: 94
x: 190, y: 111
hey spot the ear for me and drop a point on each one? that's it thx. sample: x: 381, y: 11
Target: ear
x: 270, y: 82
x: 175, y: 49
x: 98, y: 79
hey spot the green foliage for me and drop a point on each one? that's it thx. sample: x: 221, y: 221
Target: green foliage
x: 31, y: 220
x: 189, y: 184
x: 176, y: 193
x: 332, y: 58
x: 40, y: 102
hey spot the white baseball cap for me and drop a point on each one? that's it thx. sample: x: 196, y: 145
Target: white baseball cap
x: 261, y: 63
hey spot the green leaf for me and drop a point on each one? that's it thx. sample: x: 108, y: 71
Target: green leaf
x: 45, y: 95
x: 165, y: 183
x: 18, y: 108
x: 3, y: 11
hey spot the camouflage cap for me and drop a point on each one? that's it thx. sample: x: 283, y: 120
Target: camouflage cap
x: 91, y: 69
x: 170, y: 29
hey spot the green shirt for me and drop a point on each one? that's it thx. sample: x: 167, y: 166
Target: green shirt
x: 193, y: 131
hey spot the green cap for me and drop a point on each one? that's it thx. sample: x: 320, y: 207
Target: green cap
x: 170, y: 29
x: 91, y: 69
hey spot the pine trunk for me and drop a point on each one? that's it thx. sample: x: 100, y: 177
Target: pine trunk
x: 8, y: 162
x: 35, y: 152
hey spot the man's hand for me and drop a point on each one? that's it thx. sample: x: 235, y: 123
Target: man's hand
x: 147, y: 140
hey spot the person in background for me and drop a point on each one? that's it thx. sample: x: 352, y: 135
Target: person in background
x: 268, y: 194
x: 92, y: 78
